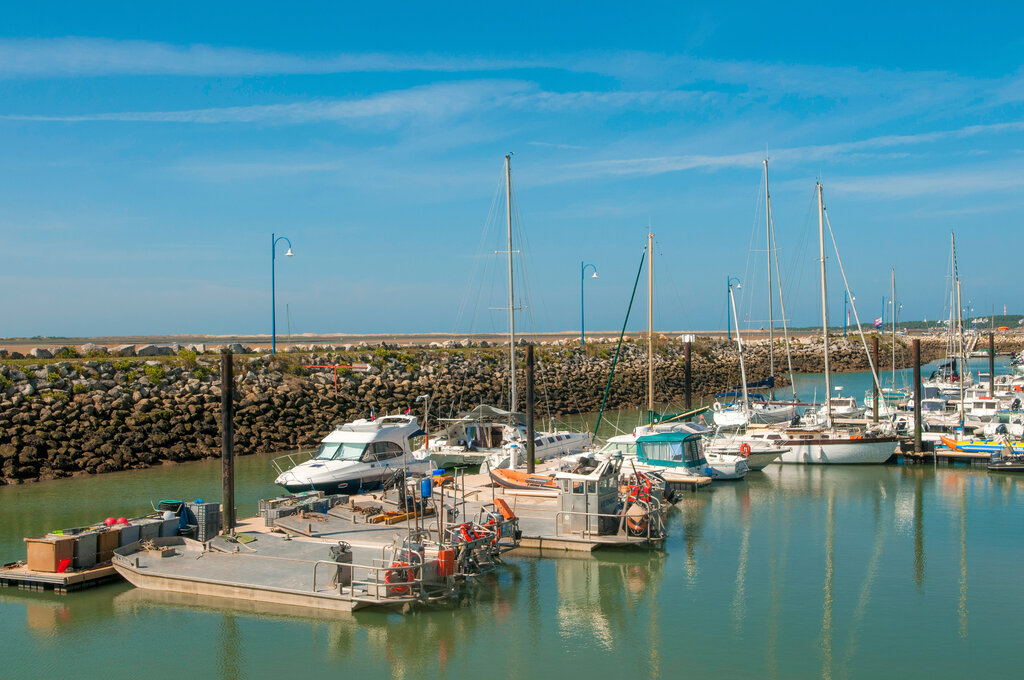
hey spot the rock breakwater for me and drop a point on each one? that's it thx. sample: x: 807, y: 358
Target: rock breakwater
x: 96, y: 409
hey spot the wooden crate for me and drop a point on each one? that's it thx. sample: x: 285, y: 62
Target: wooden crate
x: 46, y: 553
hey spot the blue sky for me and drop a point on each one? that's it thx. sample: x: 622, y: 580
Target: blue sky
x: 149, y: 152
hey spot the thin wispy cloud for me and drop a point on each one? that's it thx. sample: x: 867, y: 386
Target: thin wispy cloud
x: 435, y: 102
x: 85, y: 57
x: 662, y: 164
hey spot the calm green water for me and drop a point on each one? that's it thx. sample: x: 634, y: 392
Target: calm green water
x: 795, y: 572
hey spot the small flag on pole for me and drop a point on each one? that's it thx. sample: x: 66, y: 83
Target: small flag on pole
x: 878, y: 322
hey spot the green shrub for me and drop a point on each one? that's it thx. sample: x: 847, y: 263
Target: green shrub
x: 201, y: 373
x: 122, y: 365
x: 52, y: 375
x: 187, y: 358
x: 4, y: 383
x: 131, y: 376
x: 67, y: 353
x: 154, y: 373
x: 81, y: 389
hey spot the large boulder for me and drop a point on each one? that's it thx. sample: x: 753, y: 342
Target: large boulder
x: 40, y: 353
x: 237, y: 348
x: 92, y: 349
x: 124, y: 351
x: 154, y: 351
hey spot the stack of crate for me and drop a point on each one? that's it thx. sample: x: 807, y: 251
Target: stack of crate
x: 206, y: 518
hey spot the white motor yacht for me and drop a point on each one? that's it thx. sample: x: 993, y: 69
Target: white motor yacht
x: 359, y: 456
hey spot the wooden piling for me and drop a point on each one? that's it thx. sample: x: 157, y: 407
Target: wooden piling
x: 530, y: 434
x: 687, y: 374
x: 918, y: 395
x: 227, y: 441
x: 991, y: 365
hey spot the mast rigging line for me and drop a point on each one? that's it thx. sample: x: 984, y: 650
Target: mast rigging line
x: 618, y: 348
x: 853, y: 306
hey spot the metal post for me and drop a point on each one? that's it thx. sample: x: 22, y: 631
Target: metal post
x: 227, y: 440
x: 728, y: 319
x: 991, y: 366
x: 687, y: 376
x: 530, y: 434
x: 846, y: 297
x: 874, y: 386
x: 273, y: 305
x: 583, y: 273
x: 918, y: 395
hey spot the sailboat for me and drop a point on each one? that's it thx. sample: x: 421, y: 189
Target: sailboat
x: 755, y: 408
x: 493, y: 435
x: 827, y: 444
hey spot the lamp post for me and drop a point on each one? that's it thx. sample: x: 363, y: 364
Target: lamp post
x: 273, y: 307
x: 728, y: 292
x: 846, y: 315
x: 583, y: 272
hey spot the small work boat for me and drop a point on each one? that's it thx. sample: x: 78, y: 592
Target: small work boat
x: 520, y: 480
x: 269, y: 569
x: 993, y: 446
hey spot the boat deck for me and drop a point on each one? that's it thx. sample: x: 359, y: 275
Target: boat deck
x: 268, y: 568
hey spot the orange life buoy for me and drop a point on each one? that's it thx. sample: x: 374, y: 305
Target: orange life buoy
x: 467, y: 533
x: 637, y: 527
x: 745, y: 449
x: 494, y: 526
x: 399, y: 576
x: 1018, y: 388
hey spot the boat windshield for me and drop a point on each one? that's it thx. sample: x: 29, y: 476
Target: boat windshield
x: 340, y: 451
x: 622, y: 447
x: 685, y: 452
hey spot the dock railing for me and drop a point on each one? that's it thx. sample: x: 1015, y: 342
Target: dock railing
x: 653, y: 530
x: 374, y: 586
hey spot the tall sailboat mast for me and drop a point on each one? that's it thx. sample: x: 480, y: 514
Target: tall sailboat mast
x: 511, y: 289
x: 894, y: 308
x: 824, y: 307
x: 650, y: 329
x: 768, y: 249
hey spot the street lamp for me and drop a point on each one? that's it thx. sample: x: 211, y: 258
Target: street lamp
x: 583, y: 272
x: 728, y: 292
x: 273, y: 307
x: 846, y: 315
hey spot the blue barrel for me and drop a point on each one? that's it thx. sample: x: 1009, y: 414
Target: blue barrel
x: 425, y: 487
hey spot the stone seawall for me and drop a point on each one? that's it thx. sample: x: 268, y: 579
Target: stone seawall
x: 85, y: 411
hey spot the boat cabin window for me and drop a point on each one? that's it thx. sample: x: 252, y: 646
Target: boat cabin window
x: 591, y: 487
x: 577, y: 487
x: 379, y: 451
x: 680, y: 452
x: 339, y: 451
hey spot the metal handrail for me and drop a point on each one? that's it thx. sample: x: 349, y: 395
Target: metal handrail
x: 375, y: 586
x: 291, y: 459
x: 653, y: 513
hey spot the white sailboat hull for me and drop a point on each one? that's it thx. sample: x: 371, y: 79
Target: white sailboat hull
x: 866, y: 451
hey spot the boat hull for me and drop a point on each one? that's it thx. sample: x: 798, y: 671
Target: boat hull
x: 866, y: 451
x: 521, y: 481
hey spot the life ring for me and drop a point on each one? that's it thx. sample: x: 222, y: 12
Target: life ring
x: 1018, y: 388
x: 467, y: 533
x: 856, y: 436
x: 717, y: 406
x: 400, y: 577
x: 745, y: 449
x: 637, y: 527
